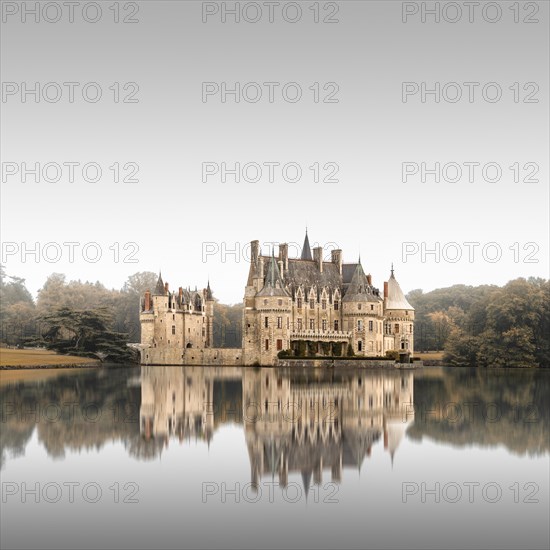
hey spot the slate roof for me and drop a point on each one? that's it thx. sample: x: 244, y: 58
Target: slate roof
x: 359, y: 289
x: 273, y: 284
x: 159, y: 289
x: 306, y: 249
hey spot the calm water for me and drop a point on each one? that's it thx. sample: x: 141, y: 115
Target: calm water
x: 170, y: 457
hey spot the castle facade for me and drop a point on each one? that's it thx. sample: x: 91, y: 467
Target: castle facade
x: 314, y: 307
x: 305, y: 307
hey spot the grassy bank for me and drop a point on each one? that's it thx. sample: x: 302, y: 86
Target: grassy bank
x: 40, y: 358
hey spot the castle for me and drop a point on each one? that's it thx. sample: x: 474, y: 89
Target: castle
x: 302, y: 306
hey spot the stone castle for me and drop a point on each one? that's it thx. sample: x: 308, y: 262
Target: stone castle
x: 302, y: 306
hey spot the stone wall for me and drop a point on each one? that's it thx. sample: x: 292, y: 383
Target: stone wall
x: 207, y: 357
x: 347, y: 363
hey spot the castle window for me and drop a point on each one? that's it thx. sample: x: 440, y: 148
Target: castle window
x: 266, y: 344
x: 324, y: 324
x: 173, y: 317
x: 360, y: 345
x: 299, y: 303
x: 299, y: 324
x: 324, y: 304
x: 396, y: 328
x: 410, y: 329
x: 406, y: 312
x: 371, y: 307
x: 336, y: 305
x: 371, y: 326
x: 173, y: 329
x: 311, y: 304
x: 335, y: 325
x: 359, y: 325
x: 358, y: 306
x: 280, y: 302
x: 312, y: 324
x: 266, y: 322
x: 279, y: 345
x: 279, y: 322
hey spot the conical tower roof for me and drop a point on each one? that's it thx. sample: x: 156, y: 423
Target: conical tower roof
x: 273, y: 284
x: 209, y: 295
x: 306, y: 249
x: 159, y: 289
x: 359, y: 289
x: 396, y: 299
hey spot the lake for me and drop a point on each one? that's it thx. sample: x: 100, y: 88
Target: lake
x: 228, y: 457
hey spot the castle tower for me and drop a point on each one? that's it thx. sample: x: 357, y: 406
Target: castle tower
x: 363, y: 314
x: 273, y: 305
x: 209, y: 310
x: 399, y: 322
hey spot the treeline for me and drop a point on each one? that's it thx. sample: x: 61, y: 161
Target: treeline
x: 475, y: 326
x: 486, y: 326
x: 86, y: 318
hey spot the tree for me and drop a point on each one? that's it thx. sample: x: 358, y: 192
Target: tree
x: 85, y: 333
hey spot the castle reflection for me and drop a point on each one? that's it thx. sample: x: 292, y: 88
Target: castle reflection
x: 312, y: 421
x: 294, y: 421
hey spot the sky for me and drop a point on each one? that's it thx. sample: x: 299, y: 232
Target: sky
x: 337, y: 125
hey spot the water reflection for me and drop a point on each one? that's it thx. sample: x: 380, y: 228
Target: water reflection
x: 306, y: 421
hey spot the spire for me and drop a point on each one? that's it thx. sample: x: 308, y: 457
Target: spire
x: 273, y: 285
x: 392, y: 269
x: 159, y: 289
x: 357, y: 286
x: 209, y: 295
x: 306, y: 249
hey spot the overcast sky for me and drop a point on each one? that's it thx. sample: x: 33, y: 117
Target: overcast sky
x: 356, y: 118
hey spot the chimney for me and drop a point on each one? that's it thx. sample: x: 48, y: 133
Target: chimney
x: 180, y: 294
x: 166, y: 288
x: 385, y: 289
x: 261, y: 260
x: 147, y: 300
x: 281, y: 268
x: 336, y: 256
x: 369, y: 279
x: 283, y: 254
x: 318, y: 257
x: 254, y: 251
